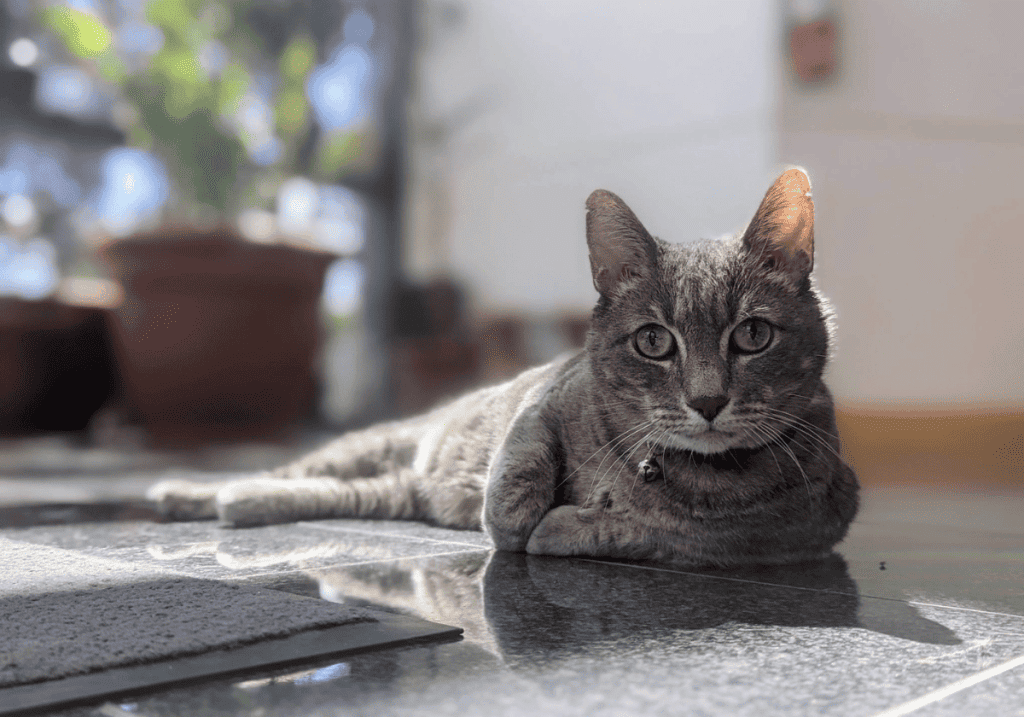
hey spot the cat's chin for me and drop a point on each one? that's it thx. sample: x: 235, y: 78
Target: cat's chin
x: 707, y: 443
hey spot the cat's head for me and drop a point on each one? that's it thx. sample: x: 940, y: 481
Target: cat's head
x: 712, y: 345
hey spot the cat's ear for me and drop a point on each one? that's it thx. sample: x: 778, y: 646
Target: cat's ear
x: 781, y: 235
x: 620, y: 247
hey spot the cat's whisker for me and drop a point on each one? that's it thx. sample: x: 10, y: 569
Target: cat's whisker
x: 801, y: 420
x: 806, y: 429
x: 769, y: 439
x: 792, y: 455
x: 624, y: 460
x: 637, y: 476
x: 822, y: 435
x: 609, y: 448
x: 816, y: 442
x: 604, y: 447
x: 787, y: 423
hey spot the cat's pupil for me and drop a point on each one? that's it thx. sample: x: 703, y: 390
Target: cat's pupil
x: 654, y: 341
x: 751, y: 336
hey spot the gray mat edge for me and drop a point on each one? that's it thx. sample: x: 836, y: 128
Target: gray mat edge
x: 390, y: 630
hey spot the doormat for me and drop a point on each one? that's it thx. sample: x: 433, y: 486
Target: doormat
x: 78, y: 627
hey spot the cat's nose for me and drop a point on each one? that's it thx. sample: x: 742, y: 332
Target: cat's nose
x: 708, y: 406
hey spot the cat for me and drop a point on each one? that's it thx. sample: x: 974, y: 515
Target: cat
x: 693, y: 428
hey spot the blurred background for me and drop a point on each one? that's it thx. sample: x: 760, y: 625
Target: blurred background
x: 232, y: 229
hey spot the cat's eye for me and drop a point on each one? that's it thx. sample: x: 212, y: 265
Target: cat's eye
x: 654, y: 341
x: 751, y: 336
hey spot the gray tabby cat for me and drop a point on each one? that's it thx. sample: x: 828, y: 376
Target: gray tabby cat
x: 694, y: 427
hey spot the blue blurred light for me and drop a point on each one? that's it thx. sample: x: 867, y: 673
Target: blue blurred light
x: 358, y: 27
x: 140, y: 38
x: 85, y: 6
x: 339, y: 227
x: 337, y: 89
x: 325, y: 674
x: 27, y: 270
x: 13, y: 181
x: 343, y: 287
x: 29, y: 169
x: 66, y: 90
x: 135, y: 186
x: 267, y: 152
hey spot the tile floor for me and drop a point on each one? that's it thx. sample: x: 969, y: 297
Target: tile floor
x: 920, y: 612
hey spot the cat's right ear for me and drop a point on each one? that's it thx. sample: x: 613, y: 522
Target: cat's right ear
x: 781, y: 235
x: 620, y: 247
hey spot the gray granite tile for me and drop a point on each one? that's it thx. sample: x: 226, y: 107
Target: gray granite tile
x: 956, y: 548
x: 554, y: 636
x: 942, y: 565
x: 929, y: 562
x: 1002, y: 693
x: 570, y: 637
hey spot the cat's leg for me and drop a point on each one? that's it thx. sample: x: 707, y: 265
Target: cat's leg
x: 522, y: 483
x: 454, y: 502
x: 593, y: 532
x: 270, y: 500
x: 599, y: 533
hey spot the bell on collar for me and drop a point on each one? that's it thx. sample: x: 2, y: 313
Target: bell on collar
x: 650, y: 470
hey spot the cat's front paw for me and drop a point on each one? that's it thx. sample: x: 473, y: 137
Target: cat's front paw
x: 566, y: 530
x: 184, y: 500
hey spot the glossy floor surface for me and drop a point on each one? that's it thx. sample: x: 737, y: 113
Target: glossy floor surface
x: 921, y: 611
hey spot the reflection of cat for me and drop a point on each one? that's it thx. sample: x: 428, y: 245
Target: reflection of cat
x: 531, y: 609
x: 694, y: 427
x: 539, y: 608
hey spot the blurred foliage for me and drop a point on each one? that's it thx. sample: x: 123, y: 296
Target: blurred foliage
x: 195, y: 101
x: 83, y: 34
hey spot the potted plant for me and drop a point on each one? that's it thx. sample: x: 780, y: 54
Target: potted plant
x: 217, y: 336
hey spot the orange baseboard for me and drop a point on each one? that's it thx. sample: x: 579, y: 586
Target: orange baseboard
x: 971, y: 445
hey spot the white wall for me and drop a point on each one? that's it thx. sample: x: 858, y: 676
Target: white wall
x: 686, y: 109
x: 670, y: 104
x: 916, y: 153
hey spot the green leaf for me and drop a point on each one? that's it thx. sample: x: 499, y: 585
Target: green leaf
x: 338, y: 150
x: 111, y: 68
x: 234, y: 82
x: 291, y: 111
x: 83, y: 34
x: 177, y: 18
x: 179, y: 66
x: 297, y: 59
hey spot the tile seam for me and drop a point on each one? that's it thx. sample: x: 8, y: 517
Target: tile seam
x: 951, y: 689
x: 800, y: 587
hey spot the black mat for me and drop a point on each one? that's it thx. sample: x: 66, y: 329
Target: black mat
x: 76, y: 627
x: 388, y: 631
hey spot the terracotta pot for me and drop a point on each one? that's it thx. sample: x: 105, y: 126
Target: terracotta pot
x: 217, y: 338
x: 55, y: 365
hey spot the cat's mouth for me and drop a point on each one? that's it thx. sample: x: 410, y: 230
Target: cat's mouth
x: 709, y: 441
